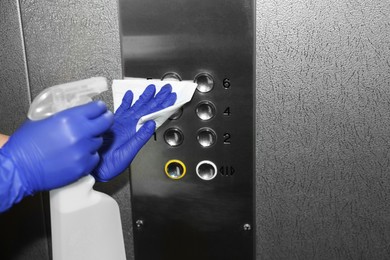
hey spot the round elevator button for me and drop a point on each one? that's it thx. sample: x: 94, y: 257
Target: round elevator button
x: 206, y: 170
x: 173, y: 137
x: 175, y: 169
x: 172, y: 76
x: 205, y: 82
x: 206, y: 137
x: 177, y: 114
x: 205, y: 110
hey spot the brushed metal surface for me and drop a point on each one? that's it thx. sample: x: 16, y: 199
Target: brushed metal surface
x: 323, y: 129
x: 22, y: 234
x: 194, y: 218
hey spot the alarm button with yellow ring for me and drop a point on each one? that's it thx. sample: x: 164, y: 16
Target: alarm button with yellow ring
x: 175, y: 169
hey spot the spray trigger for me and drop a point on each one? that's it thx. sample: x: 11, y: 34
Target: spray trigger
x: 64, y: 96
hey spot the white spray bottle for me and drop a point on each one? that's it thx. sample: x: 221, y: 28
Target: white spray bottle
x: 85, y: 224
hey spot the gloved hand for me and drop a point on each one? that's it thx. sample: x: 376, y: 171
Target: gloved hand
x: 53, y: 152
x: 122, y: 142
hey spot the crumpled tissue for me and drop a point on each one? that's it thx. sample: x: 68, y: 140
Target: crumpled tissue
x: 183, y: 89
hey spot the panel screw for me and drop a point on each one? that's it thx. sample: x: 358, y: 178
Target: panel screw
x: 247, y: 227
x: 226, y: 83
x: 139, y: 223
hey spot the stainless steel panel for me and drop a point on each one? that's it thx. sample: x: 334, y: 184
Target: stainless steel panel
x: 323, y: 129
x: 195, y: 217
x: 22, y: 228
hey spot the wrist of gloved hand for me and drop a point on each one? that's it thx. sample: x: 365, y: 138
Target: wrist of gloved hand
x: 12, y: 183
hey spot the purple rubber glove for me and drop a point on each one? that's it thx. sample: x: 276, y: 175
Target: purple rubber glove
x: 53, y: 152
x: 122, y: 142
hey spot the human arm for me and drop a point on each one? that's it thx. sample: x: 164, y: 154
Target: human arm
x: 3, y: 139
x: 122, y: 142
x: 53, y: 152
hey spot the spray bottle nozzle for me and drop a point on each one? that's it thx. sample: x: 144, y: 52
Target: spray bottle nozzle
x: 64, y: 96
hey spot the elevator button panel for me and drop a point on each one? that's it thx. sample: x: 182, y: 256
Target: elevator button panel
x: 192, y: 183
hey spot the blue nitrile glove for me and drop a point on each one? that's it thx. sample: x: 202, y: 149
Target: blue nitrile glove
x: 122, y: 142
x: 52, y: 152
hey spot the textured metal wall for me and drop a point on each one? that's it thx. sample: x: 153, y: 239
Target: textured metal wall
x: 14, y: 97
x: 22, y: 229
x: 323, y: 129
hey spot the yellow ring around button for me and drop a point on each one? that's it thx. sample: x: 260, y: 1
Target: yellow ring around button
x: 170, y: 175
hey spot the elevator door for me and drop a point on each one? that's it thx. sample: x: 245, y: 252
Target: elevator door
x: 192, y: 184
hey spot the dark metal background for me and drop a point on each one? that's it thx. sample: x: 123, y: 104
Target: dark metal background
x: 191, y: 218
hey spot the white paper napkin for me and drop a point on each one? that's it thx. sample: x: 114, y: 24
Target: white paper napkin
x: 184, y: 91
